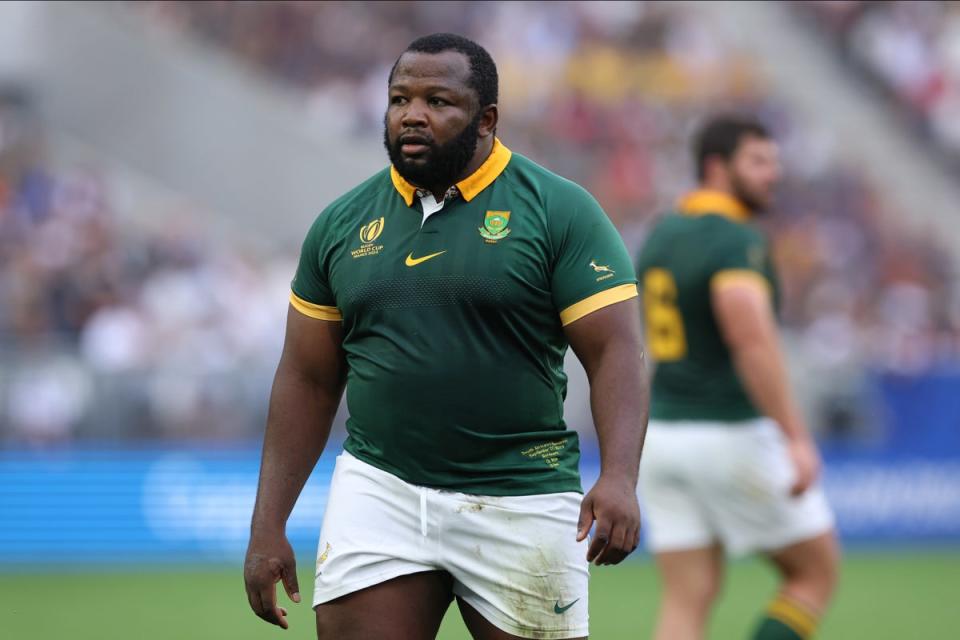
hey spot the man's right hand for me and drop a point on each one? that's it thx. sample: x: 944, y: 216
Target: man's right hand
x: 806, y: 464
x: 270, y: 560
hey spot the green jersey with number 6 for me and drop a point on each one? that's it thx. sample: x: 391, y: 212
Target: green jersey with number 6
x: 704, y: 244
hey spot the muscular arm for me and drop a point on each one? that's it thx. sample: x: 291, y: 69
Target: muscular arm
x: 608, y: 344
x: 746, y: 321
x: 306, y: 392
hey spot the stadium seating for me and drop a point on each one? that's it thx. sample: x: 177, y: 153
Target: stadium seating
x: 102, y: 309
x: 910, y: 51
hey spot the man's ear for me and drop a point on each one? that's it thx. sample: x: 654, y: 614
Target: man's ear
x: 488, y: 121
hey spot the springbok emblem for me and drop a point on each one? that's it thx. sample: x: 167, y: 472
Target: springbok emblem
x: 601, y: 268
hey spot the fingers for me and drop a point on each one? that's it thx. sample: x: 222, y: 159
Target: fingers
x: 612, y: 548
x: 802, y: 483
x: 290, y: 585
x: 806, y: 474
x: 586, y: 517
x: 619, y: 546
x: 601, y: 538
x: 807, y: 464
x: 617, y: 527
x: 632, y: 540
x: 262, y: 607
x: 261, y: 576
x: 269, y: 610
x: 253, y: 598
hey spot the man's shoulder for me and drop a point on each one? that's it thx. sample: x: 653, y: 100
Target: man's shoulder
x: 678, y: 236
x: 669, y: 227
x: 525, y: 173
x: 735, y: 233
x: 661, y: 237
x: 351, y: 206
x: 359, y: 197
x: 715, y: 227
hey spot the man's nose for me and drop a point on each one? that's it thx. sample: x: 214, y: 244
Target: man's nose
x: 415, y: 115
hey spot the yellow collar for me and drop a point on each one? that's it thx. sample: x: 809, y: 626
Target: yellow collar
x: 705, y: 201
x: 470, y: 186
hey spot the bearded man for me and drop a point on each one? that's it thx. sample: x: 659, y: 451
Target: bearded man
x: 443, y: 293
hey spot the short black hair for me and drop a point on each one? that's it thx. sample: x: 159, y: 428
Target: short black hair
x: 721, y: 136
x: 483, y: 71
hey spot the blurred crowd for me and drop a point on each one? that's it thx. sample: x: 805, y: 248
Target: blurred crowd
x: 608, y: 95
x: 112, y: 329
x: 605, y: 94
x: 912, y: 50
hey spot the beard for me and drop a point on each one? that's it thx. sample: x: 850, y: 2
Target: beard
x: 753, y: 199
x: 442, y: 165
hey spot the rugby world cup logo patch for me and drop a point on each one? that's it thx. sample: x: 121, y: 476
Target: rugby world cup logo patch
x: 369, y: 233
x: 495, y: 226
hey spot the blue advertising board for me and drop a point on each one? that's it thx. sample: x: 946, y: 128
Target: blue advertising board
x: 188, y: 504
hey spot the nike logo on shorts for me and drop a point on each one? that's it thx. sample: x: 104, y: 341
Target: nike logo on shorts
x: 558, y: 609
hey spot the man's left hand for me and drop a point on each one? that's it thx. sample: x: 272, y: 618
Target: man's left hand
x: 613, y: 504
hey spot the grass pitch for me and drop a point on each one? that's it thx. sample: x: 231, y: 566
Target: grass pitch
x: 882, y: 596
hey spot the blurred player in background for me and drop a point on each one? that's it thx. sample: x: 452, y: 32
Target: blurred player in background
x: 443, y: 293
x: 730, y: 465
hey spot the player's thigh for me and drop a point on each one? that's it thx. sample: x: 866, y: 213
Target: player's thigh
x: 517, y: 562
x: 810, y: 567
x: 692, y: 575
x: 482, y: 629
x: 410, y: 607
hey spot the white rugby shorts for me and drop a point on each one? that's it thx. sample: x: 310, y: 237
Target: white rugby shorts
x: 514, y: 559
x: 706, y: 482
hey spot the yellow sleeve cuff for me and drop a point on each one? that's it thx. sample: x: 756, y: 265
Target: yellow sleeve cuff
x: 744, y: 277
x: 597, y: 301
x: 318, y: 311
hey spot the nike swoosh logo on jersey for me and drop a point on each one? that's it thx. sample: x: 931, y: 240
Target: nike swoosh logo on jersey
x: 412, y: 262
x: 558, y: 609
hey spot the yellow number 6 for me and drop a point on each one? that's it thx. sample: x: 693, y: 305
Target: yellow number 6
x: 666, y: 338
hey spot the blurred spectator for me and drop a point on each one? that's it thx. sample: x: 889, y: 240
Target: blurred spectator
x: 912, y: 51
x: 116, y: 330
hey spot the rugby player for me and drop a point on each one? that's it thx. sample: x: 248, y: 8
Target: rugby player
x: 443, y: 293
x: 730, y: 466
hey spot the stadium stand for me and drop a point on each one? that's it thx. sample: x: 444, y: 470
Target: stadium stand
x: 117, y: 329
x: 98, y: 309
x: 910, y: 52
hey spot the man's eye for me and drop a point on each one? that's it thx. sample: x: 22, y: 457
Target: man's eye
x: 397, y: 100
x: 438, y: 102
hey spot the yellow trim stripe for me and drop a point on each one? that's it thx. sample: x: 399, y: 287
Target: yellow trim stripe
x: 489, y: 171
x: 597, y: 301
x: 802, y: 621
x: 706, y: 201
x: 746, y: 277
x: 470, y: 186
x: 318, y: 311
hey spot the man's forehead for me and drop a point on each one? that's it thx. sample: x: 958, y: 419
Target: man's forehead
x: 449, y: 67
x: 756, y: 144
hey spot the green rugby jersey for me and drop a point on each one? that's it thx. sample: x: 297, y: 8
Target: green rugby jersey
x: 453, y: 323
x: 703, y: 244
